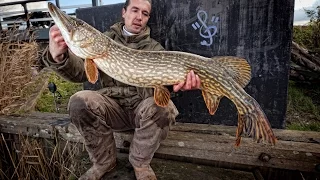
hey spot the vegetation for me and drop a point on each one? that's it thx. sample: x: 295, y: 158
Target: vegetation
x: 16, y: 59
x: 309, y: 36
x: 66, y: 89
x: 303, y: 110
x: 31, y: 158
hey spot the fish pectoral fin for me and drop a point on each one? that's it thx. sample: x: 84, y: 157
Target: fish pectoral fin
x: 212, y: 101
x: 161, y: 96
x: 91, y: 70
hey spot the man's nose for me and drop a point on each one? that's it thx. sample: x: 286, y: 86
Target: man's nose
x: 139, y: 16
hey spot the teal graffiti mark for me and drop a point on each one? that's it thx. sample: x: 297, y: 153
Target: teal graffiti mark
x: 205, y: 31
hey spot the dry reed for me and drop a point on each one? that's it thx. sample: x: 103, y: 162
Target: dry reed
x: 17, y: 57
x: 38, y: 158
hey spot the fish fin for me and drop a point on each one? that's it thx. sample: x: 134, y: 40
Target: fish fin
x: 161, y: 96
x: 212, y: 101
x: 91, y: 70
x: 255, y: 124
x: 238, y: 68
x: 239, y: 129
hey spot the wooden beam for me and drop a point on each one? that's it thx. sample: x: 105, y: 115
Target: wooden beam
x: 13, y: 13
x: 19, y: 2
x: 197, y: 143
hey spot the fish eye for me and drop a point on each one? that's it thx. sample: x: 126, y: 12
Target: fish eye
x: 78, y: 23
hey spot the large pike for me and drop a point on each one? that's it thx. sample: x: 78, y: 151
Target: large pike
x: 220, y: 76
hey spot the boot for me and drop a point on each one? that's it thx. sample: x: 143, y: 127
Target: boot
x: 145, y: 173
x: 97, y: 171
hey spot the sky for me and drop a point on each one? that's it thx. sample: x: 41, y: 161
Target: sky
x: 300, y: 17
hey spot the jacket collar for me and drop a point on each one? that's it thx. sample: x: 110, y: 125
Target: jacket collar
x: 118, y: 31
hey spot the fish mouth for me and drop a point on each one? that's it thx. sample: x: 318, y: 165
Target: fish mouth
x: 61, y: 19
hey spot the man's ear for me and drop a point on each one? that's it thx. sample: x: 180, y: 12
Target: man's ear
x: 123, y: 12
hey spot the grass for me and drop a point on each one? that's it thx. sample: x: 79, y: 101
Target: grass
x: 303, y: 109
x: 314, y: 126
x: 65, y: 88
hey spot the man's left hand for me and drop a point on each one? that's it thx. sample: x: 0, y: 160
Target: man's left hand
x: 192, y: 82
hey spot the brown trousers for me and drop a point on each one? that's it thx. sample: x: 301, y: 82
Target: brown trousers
x: 96, y: 116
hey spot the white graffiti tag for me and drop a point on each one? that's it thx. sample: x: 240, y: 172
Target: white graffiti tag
x: 205, y: 31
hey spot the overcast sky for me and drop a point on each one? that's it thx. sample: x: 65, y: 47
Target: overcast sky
x: 300, y: 16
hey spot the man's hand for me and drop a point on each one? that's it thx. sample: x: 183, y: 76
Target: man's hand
x: 57, y: 45
x: 192, y: 82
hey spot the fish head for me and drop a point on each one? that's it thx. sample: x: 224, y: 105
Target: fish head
x: 79, y: 36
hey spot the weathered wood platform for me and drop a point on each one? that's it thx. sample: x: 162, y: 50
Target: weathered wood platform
x: 296, y: 154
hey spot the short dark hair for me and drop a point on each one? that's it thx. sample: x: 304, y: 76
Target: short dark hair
x: 127, y: 3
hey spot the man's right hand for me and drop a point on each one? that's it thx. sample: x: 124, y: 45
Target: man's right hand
x: 57, y: 45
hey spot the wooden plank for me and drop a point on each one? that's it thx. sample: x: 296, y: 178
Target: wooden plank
x: 220, y: 149
x: 281, y: 134
x: 205, y: 144
x: 22, y: 21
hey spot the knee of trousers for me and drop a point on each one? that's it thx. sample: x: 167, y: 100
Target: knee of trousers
x: 162, y: 116
x: 82, y: 103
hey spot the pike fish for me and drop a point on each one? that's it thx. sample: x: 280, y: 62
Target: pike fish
x: 223, y: 76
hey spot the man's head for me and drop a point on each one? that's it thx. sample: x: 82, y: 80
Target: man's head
x: 136, y: 14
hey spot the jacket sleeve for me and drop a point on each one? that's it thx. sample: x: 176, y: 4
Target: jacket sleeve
x: 71, y: 68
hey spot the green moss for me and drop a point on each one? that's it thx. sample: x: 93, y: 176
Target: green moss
x: 65, y: 88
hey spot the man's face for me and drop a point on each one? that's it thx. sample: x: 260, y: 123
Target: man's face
x: 136, y: 16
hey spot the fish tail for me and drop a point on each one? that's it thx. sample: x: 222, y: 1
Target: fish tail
x: 254, y: 123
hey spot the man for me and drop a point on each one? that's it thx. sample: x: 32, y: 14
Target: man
x: 117, y: 106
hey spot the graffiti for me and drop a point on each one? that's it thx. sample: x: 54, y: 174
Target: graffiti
x: 206, y: 31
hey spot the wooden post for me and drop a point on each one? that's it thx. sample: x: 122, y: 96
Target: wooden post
x: 94, y: 2
x: 24, y: 5
x: 58, y: 3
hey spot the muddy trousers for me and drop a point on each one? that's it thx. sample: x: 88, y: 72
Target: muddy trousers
x: 96, y: 116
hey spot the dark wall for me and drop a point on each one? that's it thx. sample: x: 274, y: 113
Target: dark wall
x: 259, y: 30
